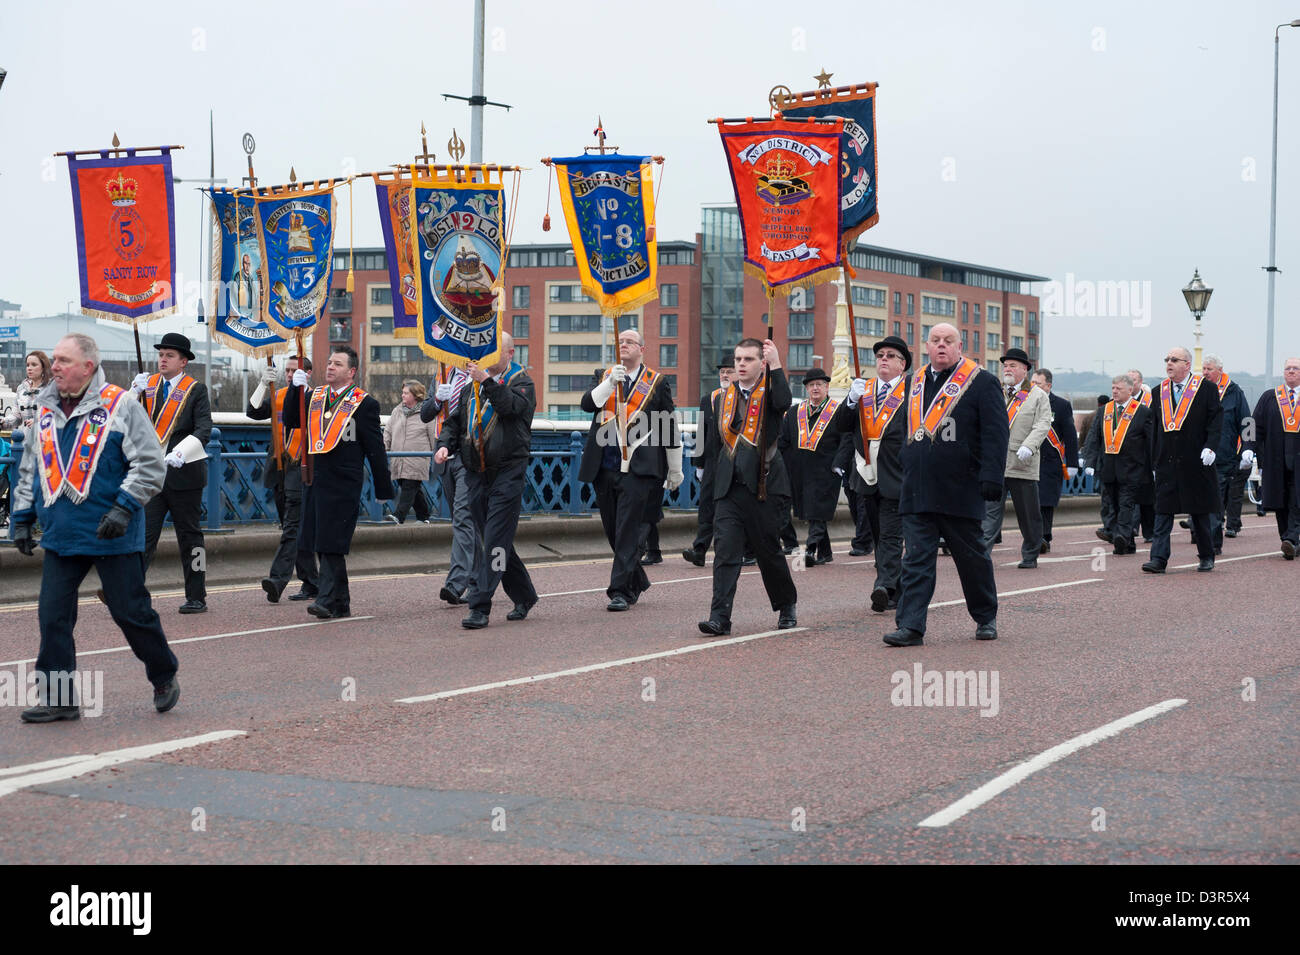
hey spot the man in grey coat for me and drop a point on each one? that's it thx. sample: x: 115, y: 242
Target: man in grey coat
x: 444, y: 400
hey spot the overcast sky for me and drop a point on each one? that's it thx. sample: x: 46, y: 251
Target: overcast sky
x: 1111, y: 142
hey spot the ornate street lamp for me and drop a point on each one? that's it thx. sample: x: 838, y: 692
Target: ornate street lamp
x: 1197, y: 294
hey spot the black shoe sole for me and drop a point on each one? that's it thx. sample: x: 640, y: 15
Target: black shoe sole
x: 203, y: 609
x: 708, y: 632
x: 272, y: 592
x: 301, y: 596
x: 54, y: 718
x: 910, y: 642
x: 879, y: 599
x: 517, y: 615
x: 473, y: 625
x: 986, y: 636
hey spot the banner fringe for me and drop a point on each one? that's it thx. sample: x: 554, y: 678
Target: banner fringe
x: 129, y: 319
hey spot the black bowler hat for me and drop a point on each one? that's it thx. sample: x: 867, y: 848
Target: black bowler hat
x: 176, y: 341
x: 1103, y: 400
x: 1017, y: 354
x: 893, y: 341
x: 728, y: 362
x: 815, y: 374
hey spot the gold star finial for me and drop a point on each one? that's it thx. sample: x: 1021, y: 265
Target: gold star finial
x: 823, y: 79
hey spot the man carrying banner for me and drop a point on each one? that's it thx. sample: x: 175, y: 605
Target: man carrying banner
x: 284, y: 475
x: 1276, y: 446
x: 878, y: 405
x: 90, y: 464
x: 342, y: 432
x: 1187, y: 424
x: 1125, y: 466
x: 632, y: 449
x: 445, y: 393
x: 1059, y: 453
x: 809, y: 446
x: 492, y: 432
x: 749, y: 415
x: 954, y: 460
x: 1232, y: 479
x: 178, y: 407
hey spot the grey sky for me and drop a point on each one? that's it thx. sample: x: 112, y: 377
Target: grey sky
x: 1111, y: 141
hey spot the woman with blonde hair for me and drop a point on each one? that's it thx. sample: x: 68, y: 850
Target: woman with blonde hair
x: 39, y: 373
x: 406, y: 432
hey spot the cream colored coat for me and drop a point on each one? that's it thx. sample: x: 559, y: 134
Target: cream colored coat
x: 1030, y: 428
x: 406, y: 432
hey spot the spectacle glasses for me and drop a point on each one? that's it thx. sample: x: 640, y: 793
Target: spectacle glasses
x: 1170, y: 360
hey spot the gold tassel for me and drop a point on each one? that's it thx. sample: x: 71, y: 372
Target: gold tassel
x: 352, y: 282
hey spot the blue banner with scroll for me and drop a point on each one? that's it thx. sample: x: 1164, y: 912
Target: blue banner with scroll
x: 295, y: 230
x: 238, y: 281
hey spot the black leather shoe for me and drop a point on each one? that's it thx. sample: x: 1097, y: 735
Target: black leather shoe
x: 714, y: 628
x: 1288, y: 550
x: 316, y: 610
x: 987, y: 631
x: 166, y: 694
x: 1124, y: 546
x: 788, y: 549
x: 617, y: 604
x: 650, y: 559
x: 1218, y: 550
x: 998, y: 539
x: 904, y: 638
x: 1105, y: 535
x: 99, y: 594
x: 1229, y: 533
x: 521, y: 610
x: 693, y: 557
x: 1154, y: 567
x: 304, y: 594
x: 194, y: 606
x: 858, y: 552
x: 1206, y: 565
x: 809, y: 559
x: 787, y: 621
x: 272, y: 591
x: 476, y: 620
x: 751, y: 561
x: 879, y: 599
x: 826, y: 559
x: 1185, y: 524
x: 50, y: 714
x: 1045, y: 547
x: 450, y: 597
x: 1028, y: 564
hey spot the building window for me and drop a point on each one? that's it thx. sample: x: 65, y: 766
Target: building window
x: 676, y: 256
x: 568, y: 382
x: 993, y: 367
x: 521, y: 355
x: 898, y: 329
x: 519, y: 296
x: 575, y: 323
x: 671, y: 382
x: 865, y: 295
x: 965, y: 312
x: 911, y: 304
x: 667, y: 356
x: 976, y: 310
x: 381, y: 295
x: 519, y: 326
x: 994, y: 314
x: 933, y: 305
x: 582, y: 353
x: 898, y: 303
x: 381, y: 325
x: 802, y: 299
x: 340, y: 300
x: 1017, y: 341
x: 567, y: 293
x: 801, y: 356
x: 396, y: 353
x: 668, y: 325
x: 668, y: 296
x: 1033, y: 323
x: 869, y: 326
x: 911, y: 334
x: 866, y: 358
x: 1033, y: 349
x: 801, y: 325
x: 925, y: 332
x: 976, y: 339
x: 991, y: 339
x: 341, y: 329
x: 1017, y: 316
x: 964, y: 343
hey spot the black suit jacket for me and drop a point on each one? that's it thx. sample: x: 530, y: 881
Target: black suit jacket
x: 746, y: 462
x: 195, y: 418
x: 656, y: 421
x: 1183, y: 484
x: 1132, y: 465
x: 275, y: 472
x: 889, y: 463
x: 1049, y: 463
x: 943, y: 476
x: 1275, y: 450
x: 510, y: 437
x: 814, y: 485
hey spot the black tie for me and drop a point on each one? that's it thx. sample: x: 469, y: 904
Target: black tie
x: 163, y: 391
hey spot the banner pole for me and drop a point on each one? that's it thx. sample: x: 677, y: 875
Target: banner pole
x: 302, y: 418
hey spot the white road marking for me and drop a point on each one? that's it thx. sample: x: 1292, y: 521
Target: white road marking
x: 1027, y: 590
x: 47, y: 764
x: 593, y: 667
x: 215, y: 636
x: 1228, y: 560
x: 1044, y: 759
x: 90, y: 764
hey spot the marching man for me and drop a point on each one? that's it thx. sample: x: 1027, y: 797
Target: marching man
x: 809, y: 445
x: 1029, y: 418
x: 1277, y: 447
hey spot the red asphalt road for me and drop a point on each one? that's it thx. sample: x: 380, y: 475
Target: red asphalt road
x: 785, y: 748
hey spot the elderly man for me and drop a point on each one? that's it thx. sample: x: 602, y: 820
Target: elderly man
x: 1029, y: 418
x: 1187, y: 426
x: 1060, y: 455
x: 1232, y: 479
x: 1276, y: 445
x: 1125, y: 471
x: 90, y: 464
x: 954, y: 460
x: 809, y: 445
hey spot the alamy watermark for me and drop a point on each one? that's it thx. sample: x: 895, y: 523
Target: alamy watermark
x: 56, y: 688
x: 1128, y: 299
x: 921, y: 687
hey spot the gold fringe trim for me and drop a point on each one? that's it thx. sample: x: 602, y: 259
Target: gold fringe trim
x: 827, y: 274
x: 631, y: 305
x: 255, y: 351
x: 127, y: 319
x: 406, y: 333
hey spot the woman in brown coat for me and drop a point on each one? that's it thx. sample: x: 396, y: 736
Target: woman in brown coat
x: 406, y: 432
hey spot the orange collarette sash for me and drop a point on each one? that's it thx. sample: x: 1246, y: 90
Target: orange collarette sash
x: 1115, y: 439
x: 1172, y: 418
x: 1290, y: 414
x: 873, y: 422
x: 944, y: 402
x: 810, y: 437
x: 325, y: 428
x: 1224, y: 381
x: 73, y: 477
x: 1013, y: 409
x: 1146, y: 398
x: 749, y: 427
x: 647, y: 380
x: 175, y: 401
x: 1059, y: 445
x: 294, y: 448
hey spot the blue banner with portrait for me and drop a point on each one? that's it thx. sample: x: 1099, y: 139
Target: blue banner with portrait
x: 238, y: 282
x: 295, y: 230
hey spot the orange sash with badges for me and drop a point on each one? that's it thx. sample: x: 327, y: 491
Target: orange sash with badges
x: 749, y: 427
x: 1059, y: 445
x: 325, y: 426
x: 1290, y: 413
x: 1115, y: 436
x: 294, y: 448
x: 647, y: 380
x: 873, y: 420
x: 809, y: 437
x: 920, y: 426
x: 1172, y: 418
x: 1013, y: 409
x: 73, y: 476
x: 166, y: 420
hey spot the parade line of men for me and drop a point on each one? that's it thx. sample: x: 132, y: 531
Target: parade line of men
x: 935, y: 452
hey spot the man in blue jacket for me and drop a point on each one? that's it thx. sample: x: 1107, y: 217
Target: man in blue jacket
x: 91, y: 461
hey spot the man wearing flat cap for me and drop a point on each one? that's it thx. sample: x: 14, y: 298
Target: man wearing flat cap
x: 810, y: 444
x: 178, y: 408
x: 1029, y: 416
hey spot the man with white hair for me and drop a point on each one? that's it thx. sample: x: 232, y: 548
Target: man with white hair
x: 1276, y: 443
x: 1232, y: 479
x: 90, y: 464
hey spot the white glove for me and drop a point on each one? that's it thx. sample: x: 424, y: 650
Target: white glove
x: 1247, y: 460
x: 619, y: 373
x: 699, y: 474
x: 445, y: 391
x: 856, y: 391
x: 1207, y: 457
x: 1082, y: 462
x: 300, y: 379
x: 259, y: 395
x: 1089, y: 471
x: 1071, y: 472
x: 674, y: 481
x: 1024, y: 454
x: 140, y: 382
x: 269, y: 375
x: 839, y: 471
x: 175, y: 459
x: 600, y: 394
x: 675, y: 475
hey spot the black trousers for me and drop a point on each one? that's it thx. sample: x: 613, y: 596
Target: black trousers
x: 866, y: 519
x: 624, y: 500
x: 1121, y: 500
x: 1224, y: 471
x: 1236, y: 490
x: 495, y: 499
x: 1047, y: 514
x: 965, y: 538
x: 704, y: 535
x: 184, y: 507
x: 289, y: 557
x: 1024, y: 496
x: 332, y: 583
x: 739, y: 519
x: 129, y: 604
x: 307, y: 541
x: 889, y: 547
x: 649, y: 540
x: 789, y: 536
x: 1288, y: 518
x: 411, y: 493
x: 1144, y: 516
x: 819, y: 539
x: 1160, y: 547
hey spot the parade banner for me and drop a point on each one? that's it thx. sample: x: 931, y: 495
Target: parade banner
x: 126, y: 235
x: 856, y: 106
x: 786, y: 179
x: 295, y: 233
x: 459, y: 230
x: 395, y: 217
x: 237, y: 279
x: 608, y: 204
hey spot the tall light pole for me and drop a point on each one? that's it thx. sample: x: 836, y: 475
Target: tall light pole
x: 1271, y: 268
x: 204, y: 259
x: 1197, y: 295
x: 476, y: 100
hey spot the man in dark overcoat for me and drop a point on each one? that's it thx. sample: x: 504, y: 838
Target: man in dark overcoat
x: 809, y: 445
x: 1124, y: 471
x: 1276, y: 445
x: 1060, y: 455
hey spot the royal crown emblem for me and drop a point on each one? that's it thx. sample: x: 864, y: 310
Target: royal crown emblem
x: 778, y: 185
x: 122, y: 190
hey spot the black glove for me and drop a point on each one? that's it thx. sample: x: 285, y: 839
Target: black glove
x: 990, y: 491
x: 22, y: 538
x: 114, y: 523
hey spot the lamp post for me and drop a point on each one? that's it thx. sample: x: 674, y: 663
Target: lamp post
x: 1197, y: 294
x: 1271, y: 268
